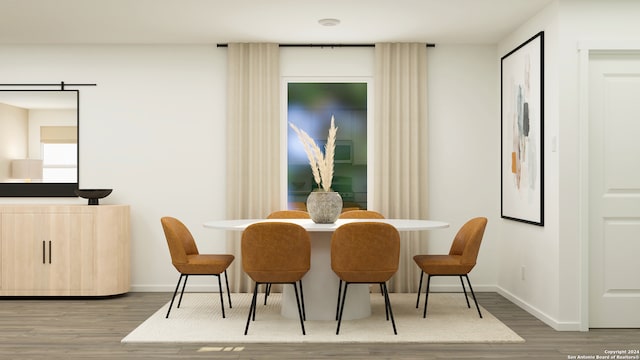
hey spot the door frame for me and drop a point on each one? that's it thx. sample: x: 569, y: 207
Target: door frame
x: 585, y: 49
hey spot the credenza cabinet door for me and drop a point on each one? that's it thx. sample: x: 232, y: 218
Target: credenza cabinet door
x: 47, y: 252
x: 64, y: 250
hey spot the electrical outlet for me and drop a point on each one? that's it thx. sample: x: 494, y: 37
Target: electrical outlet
x: 522, y: 272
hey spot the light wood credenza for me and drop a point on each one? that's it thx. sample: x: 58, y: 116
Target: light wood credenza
x: 64, y: 250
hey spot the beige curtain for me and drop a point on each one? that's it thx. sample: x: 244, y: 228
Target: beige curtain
x: 400, y: 143
x: 253, y: 140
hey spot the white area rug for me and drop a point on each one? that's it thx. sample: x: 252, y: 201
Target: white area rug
x: 199, y: 320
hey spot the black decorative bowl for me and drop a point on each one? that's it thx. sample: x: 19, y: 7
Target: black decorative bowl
x: 93, y: 194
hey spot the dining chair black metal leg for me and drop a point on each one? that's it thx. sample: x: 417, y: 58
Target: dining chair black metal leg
x: 186, y: 277
x: 221, y: 296
x: 338, y: 303
x: 256, y: 304
x: 388, y: 306
x: 426, y: 296
x: 386, y: 309
x: 465, y: 292
x: 267, y: 290
x: 419, y: 289
x: 174, y: 295
x: 252, y: 308
x: 474, y: 296
x: 381, y: 292
x: 344, y: 296
x: 304, y: 312
x: 295, y: 288
x: 226, y: 279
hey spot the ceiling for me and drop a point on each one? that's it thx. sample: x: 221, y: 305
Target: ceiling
x: 281, y: 21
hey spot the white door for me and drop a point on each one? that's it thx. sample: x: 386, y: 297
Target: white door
x: 614, y: 189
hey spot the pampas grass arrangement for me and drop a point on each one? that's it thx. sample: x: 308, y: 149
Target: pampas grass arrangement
x: 321, y: 164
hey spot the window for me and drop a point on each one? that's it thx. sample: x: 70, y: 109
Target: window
x: 310, y: 106
x: 59, y: 149
x: 59, y: 163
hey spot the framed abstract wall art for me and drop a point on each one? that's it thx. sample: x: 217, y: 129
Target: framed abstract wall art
x: 522, y: 132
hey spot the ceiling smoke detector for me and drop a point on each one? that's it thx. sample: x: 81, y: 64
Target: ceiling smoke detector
x: 329, y: 22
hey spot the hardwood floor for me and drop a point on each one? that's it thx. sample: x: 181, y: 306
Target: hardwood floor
x: 78, y: 328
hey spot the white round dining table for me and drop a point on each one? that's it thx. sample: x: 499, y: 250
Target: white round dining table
x: 321, y: 283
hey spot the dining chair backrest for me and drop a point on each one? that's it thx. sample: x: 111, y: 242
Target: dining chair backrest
x: 289, y: 214
x: 180, y: 240
x: 275, y: 252
x: 361, y: 214
x: 365, y: 251
x: 467, y: 241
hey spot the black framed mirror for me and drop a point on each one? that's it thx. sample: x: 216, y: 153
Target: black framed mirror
x: 39, y: 138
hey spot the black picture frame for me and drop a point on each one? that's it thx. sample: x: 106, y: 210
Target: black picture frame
x: 522, y: 132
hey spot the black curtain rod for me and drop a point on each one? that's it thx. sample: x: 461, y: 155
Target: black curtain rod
x: 61, y: 84
x: 65, y: 84
x: 323, y: 45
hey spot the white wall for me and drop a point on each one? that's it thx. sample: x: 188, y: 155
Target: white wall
x: 13, y: 137
x: 153, y: 129
x: 464, y: 152
x: 522, y: 245
x: 555, y: 256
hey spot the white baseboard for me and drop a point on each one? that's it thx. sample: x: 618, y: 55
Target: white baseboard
x: 171, y: 288
x: 214, y: 288
x: 458, y: 288
x: 553, y: 323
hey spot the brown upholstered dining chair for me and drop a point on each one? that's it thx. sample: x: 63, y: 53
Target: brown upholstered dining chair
x: 361, y: 214
x: 276, y: 253
x: 188, y: 261
x: 289, y: 214
x: 365, y: 253
x: 459, y: 262
x: 285, y: 214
